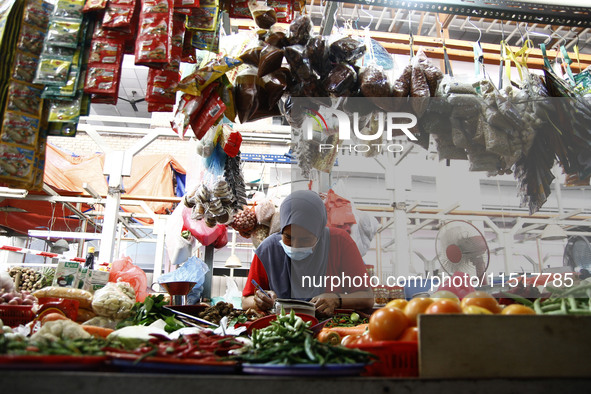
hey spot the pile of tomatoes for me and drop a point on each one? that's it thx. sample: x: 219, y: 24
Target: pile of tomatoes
x: 398, y: 319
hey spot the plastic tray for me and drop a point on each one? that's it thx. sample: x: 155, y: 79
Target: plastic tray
x: 15, y: 315
x: 396, y: 358
x: 129, y: 363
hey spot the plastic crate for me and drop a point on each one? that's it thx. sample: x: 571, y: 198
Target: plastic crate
x: 396, y: 358
x: 15, y: 315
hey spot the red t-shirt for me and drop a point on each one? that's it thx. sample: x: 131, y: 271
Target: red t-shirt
x: 344, y: 260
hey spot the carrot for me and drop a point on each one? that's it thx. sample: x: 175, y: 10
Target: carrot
x: 328, y: 336
x: 344, y: 331
x: 51, y: 316
x: 99, y: 332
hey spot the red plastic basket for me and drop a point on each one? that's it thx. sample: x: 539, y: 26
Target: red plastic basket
x: 396, y: 358
x: 15, y: 315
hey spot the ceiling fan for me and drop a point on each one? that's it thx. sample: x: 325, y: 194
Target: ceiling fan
x: 133, y: 100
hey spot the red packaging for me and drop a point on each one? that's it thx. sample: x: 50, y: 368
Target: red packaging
x: 118, y: 17
x: 160, y: 107
x: 102, y: 79
x: 94, y: 5
x: 122, y: 2
x: 154, y: 43
x: 186, y: 3
x: 162, y: 86
x: 232, y: 145
x: 103, y: 99
x: 212, y: 110
x: 106, y: 51
x: 239, y: 9
x: 188, y: 106
x: 283, y: 10
x: 188, y: 55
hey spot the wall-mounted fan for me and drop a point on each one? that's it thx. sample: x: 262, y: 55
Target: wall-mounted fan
x: 460, y: 246
x: 133, y: 100
x: 577, y: 254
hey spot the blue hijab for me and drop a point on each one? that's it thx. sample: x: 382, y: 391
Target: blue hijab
x: 303, y: 208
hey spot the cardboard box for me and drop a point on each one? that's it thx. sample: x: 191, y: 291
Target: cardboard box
x: 495, y: 346
x: 66, y: 274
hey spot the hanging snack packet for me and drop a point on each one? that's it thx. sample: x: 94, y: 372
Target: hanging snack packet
x: 16, y: 163
x: 317, y: 52
x: 283, y: 9
x: 69, y: 9
x: 162, y: 86
x: 24, y: 67
x: 263, y: 15
x: 154, y: 43
x: 270, y: 60
x: 347, y: 49
x: 37, y: 14
x: 53, y: 70
x: 160, y: 107
x: 102, y: 79
x: 63, y: 32
x: 118, y: 17
x: 200, y: 79
x: 203, y: 18
x: 105, y: 51
x: 341, y: 80
x: 211, y: 112
x: 94, y: 5
x: 24, y: 98
x: 65, y: 110
x: 31, y: 39
x: 300, y: 30
x: 19, y: 129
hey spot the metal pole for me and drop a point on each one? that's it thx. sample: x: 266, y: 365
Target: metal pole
x: 206, y: 294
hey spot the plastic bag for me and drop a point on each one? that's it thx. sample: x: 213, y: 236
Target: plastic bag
x: 114, y: 301
x: 373, y: 82
x: 264, y: 212
x: 126, y: 271
x: 300, y: 29
x: 339, y: 211
x: 275, y: 225
x: 193, y: 270
x: 270, y: 60
x: 263, y: 16
x: 347, y: 49
x: 204, y: 234
x: 298, y: 62
x: 179, y: 248
x: 222, y: 240
x: 232, y: 295
x: 364, y: 230
x: 101, y: 321
x: 247, y: 93
x: 259, y: 234
x: 341, y: 80
x: 317, y: 52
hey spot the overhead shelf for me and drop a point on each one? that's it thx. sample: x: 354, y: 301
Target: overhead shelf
x: 518, y: 11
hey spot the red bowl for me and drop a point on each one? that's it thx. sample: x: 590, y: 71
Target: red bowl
x: 266, y: 321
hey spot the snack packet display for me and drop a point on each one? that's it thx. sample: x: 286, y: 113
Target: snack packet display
x: 153, y: 46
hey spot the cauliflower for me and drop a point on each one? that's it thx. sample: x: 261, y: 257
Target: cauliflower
x: 59, y: 329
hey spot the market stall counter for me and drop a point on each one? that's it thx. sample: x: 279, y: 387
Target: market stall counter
x: 99, y: 383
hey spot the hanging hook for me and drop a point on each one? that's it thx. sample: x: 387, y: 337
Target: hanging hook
x: 368, y: 14
x: 477, y: 28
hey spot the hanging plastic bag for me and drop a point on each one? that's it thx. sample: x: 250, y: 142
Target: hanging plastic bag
x: 204, y: 234
x: 339, y: 211
x: 178, y: 247
x: 222, y: 240
x: 193, y: 270
x: 233, y: 295
x: 124, y: 270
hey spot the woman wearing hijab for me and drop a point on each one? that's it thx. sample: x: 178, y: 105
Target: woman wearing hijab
x: 308, y: 261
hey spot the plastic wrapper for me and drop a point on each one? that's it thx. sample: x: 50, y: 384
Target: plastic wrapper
x: 106, y: 51
x: 123, y: 270
x: 483, y: 161
x: 83, y: 297
x: 275, y: 84
x: 270, y: 60
x: 199, y: 80
x: 53, y: 70
x: 19, y: 129
x: 317, y: 51
x: 114, y: 301
x: 153, y: 45
x: 419, y: 89
x: 263, y: 16
x: 203, y: 18
x: 432, y: 73
x: 300, y: 30
x: 341, y: 80
x: 193, y: 270
x: 24, y: 98
x: 277, y: 39
x: 259, y: 234
x: 252, y: 54
x: 63, y: 32
x: 102, y: 79
x: 118, y: 16
x: 94, y: 5
x: 264, y: 212
x: 464, y: 105
x: 212, y: 111
x: 24, y: 67
x: 299, y: 64
x: 450, y: 85
x: 31, y: 40
x: 401, y: 87
x: 162, y: 86
x: 247, y: 92
x: 347, y: 49
x: 101, y: 321
x: 496, y: 141
x: 373, y: 82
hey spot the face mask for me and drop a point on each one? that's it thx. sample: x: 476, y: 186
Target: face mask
x: 296, y: 253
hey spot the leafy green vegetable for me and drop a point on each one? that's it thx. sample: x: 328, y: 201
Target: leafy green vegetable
x: 147, y: 312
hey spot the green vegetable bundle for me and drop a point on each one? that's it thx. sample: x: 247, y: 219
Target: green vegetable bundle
x: 289, y: 341
x: 147, y: 312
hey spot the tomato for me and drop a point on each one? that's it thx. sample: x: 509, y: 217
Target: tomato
x: 349, y: 340
x: 415, y: 307
x: 475, y: 310
x: 387, y: 324
x: 399, y: 303
x: 443, y: 307
x: 517, y: 309
x: 445, y: 295
x: 481, y: 299
x: 411, y: 334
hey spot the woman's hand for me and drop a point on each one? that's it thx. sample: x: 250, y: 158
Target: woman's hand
x: 263, y: 302
x: 326, y: 303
